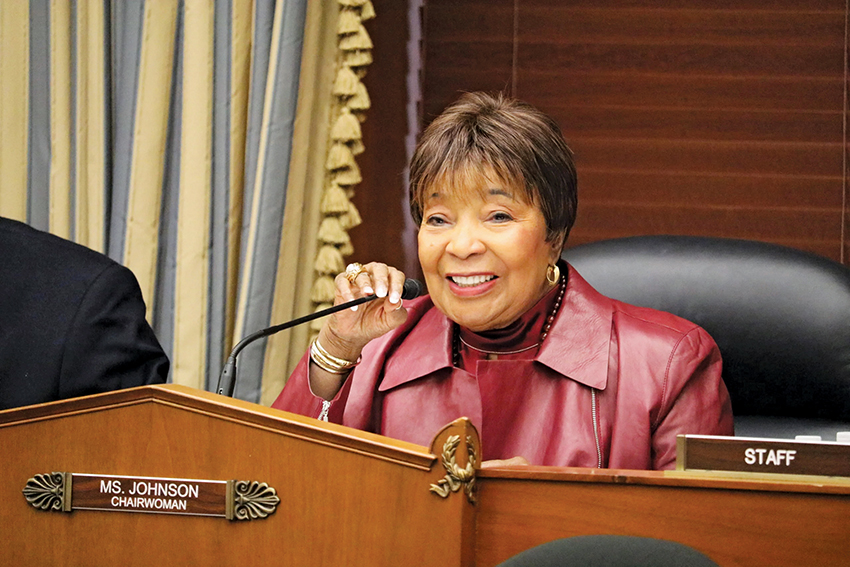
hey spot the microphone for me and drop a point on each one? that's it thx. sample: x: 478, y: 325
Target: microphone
x: 227, y: 378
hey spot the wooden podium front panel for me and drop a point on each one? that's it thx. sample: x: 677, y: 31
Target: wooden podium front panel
x: 735, y: 522
x: 363, y: 502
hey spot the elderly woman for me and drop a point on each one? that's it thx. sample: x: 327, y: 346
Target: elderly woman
x: 549, y: 371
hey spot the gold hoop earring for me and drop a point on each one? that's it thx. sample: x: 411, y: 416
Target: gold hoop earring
x: 553, y: 274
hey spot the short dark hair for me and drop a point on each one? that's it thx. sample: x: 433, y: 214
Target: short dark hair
x: 518, y: 143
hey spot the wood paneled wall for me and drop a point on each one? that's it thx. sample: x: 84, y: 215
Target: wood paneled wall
x: 703, y: 117
x: 382, y: 196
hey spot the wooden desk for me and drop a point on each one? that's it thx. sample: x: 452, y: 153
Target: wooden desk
x: 735, y: 518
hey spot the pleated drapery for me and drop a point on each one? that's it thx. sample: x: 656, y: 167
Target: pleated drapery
x: 160, y: 132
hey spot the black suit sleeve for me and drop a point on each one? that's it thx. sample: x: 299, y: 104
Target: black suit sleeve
x: 110, y: 344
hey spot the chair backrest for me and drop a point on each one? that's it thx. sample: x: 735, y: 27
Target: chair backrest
x: 780, y: 316
x: 610, y: 551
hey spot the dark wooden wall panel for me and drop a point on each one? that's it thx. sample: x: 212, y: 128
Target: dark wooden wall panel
x: 699, y: 124
x: 700, y: 156
x: 708, y: 117
x: 772, y: 93
x: 795, y: 5
x: 475, y: 50
x: 380, y: 197
x: 544, y: 22
x: 741, y: 191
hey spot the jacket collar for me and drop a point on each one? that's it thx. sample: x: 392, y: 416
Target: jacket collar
x: 579, y: 341
x: 577, y: 346
x: 426, y: 349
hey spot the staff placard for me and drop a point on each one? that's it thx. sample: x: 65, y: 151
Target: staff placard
x: 230, y: 499
x: 744, y: 454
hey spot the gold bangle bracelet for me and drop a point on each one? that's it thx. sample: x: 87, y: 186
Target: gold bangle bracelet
x: 328, y: 362
x: 327, y: 365
x: 336, y: 360
x: 323, y: 363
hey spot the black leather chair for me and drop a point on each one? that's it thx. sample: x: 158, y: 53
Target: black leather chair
x: 780, y: 316
x: 609, y: 551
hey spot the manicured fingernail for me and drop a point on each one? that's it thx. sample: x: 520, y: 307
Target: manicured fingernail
x: 368, y: 290
x: 394, y: 297
x: 354, y: 307
x: 382, y: 291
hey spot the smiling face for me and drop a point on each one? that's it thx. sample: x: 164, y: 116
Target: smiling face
x: 483, y: 252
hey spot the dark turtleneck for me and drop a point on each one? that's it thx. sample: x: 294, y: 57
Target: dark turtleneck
x: 522, y: 335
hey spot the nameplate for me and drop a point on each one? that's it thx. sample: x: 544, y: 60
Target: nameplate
x: 142, y: 494
x: 229, y: 499
x: 743, y: 454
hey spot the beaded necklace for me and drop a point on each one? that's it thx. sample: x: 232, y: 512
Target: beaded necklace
x: 457, y: 340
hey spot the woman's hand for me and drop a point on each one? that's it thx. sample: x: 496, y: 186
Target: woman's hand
x: 504, y: 462
x: 346, y: 332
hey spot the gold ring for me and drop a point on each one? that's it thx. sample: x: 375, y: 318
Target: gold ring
x: 353, y: 270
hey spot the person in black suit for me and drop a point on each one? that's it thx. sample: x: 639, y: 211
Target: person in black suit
x: 72, y: 321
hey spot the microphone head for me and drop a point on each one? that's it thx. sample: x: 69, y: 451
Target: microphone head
x: 412, y: 288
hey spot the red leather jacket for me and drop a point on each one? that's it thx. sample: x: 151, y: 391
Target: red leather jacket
x: 611, y: 386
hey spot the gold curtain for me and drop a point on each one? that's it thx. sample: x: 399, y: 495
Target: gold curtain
x: 336, y: 52
x: 159, y: 132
